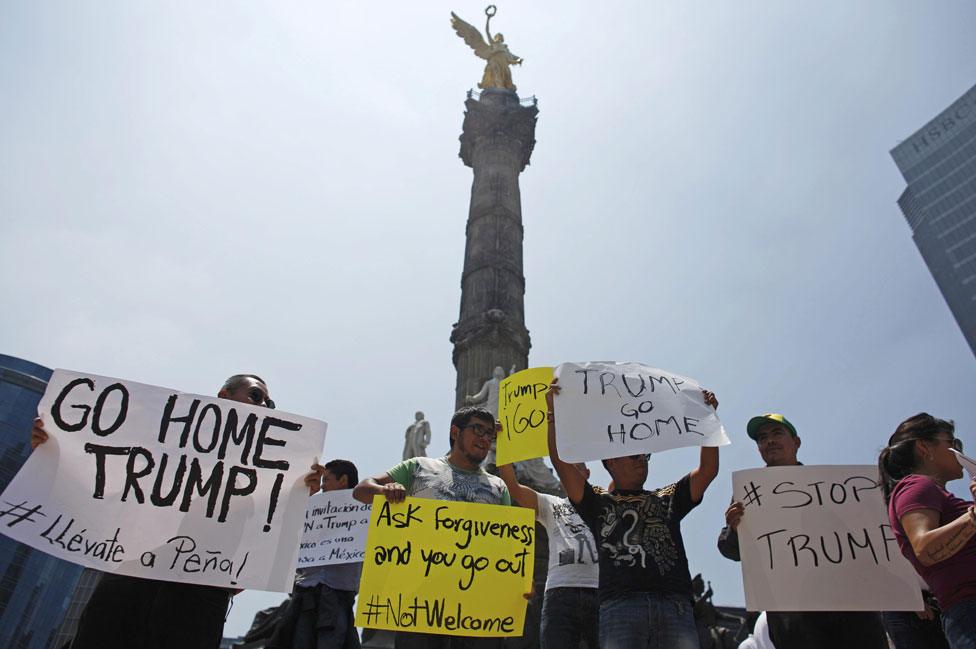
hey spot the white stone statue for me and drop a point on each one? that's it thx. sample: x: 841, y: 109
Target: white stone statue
x: 417, y: 437
x: 487, y: 396
x: 536, y: 474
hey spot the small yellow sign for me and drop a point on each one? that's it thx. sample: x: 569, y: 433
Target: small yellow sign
x: 522, y: 413
x: 451, y: 568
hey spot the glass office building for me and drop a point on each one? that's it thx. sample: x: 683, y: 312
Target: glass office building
x: 939, y: 164
x: 34, y: 587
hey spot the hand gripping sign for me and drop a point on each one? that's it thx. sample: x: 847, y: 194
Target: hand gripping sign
x: 150, y: 482
x: 451, y: 568
x: 817, y: 538
x: 607, y: 410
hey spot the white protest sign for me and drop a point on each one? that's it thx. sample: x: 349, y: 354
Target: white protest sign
x: 144, y: 481
x: 335, y: 529
x: 967, y: 463
x: 817, y: 538
x: 606, y: 410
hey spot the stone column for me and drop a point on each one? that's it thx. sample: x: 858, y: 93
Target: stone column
x: 496, y: 142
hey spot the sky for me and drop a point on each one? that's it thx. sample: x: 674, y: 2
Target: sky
x: 194, y: 189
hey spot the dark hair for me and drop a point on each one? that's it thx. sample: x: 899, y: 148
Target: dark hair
x: 464, y: 415
x: 897, y: 460
x: 607, y: 467
x: 238, y: 380
x: 340, y: 468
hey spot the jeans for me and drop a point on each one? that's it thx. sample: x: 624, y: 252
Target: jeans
x: 647, y: 621
x: 325, y: 619
x: 909, y: 631
x: 959, y: 622
x: 568, y: 616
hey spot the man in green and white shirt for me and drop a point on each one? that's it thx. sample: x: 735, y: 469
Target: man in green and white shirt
x: 458, y: 476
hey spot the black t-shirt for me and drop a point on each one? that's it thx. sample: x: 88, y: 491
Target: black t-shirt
x: 638, y: 534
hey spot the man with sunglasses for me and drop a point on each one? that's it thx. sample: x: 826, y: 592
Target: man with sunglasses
x: 458, y: 476
x: 135, y: 613
x: 778, y: 443
x: 645, y: 587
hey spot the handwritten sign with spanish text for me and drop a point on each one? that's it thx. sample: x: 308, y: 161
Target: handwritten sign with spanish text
x: 150, y: 482
x: 335, y: 529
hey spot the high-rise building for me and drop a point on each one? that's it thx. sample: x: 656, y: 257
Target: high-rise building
x: 34, y: 587
x: 939, y: 164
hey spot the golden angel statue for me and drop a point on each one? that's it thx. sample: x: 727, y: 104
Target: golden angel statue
x: 495, y: 51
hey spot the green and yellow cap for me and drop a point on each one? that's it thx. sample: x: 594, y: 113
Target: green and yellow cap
x: 752, y: 428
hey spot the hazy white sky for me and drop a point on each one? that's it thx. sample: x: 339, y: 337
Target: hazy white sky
x: 194, y: 189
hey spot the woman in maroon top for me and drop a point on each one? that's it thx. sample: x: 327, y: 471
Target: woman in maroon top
x: 936, y: 531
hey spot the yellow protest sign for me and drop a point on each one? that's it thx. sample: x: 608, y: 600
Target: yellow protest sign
x: 452, y: 568
x: 522, y: 413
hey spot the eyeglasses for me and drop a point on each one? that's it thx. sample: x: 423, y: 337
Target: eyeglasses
x: 480, y: 430
x: 952, y: 442
x: 257, y: 396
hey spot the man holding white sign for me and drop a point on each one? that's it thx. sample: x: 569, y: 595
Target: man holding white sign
x: 645, y: 586
x: 778, y: 443
x: 319, y: 615
x: 184, y: 488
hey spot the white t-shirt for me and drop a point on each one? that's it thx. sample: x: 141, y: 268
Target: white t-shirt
x: 573, y: 559
x: 760, y: 636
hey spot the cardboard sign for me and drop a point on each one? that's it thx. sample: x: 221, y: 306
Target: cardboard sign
x: 445, y: 567
x: 151, y: 482
x: 522, y: 414
x: 817, y: 538
x: 336, y: 525
x: 606, y: 410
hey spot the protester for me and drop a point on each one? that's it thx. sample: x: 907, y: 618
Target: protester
x: 778, y: 443
x: 570, y: 608
x: 935, y: 530
x: 645, y: 587
x: 135, y: 613
x: 320, y: 612
x: 457, y: 477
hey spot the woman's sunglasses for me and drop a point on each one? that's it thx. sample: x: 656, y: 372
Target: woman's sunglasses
x: 953, y: 442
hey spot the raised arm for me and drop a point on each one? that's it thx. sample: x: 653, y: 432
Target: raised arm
x: 313, y: 481
x: 573, y: 481
x: 932, y: 543
x: 384, y: 484
x: 707, y: 469
x: 524, y: 496
x: 480, y: 396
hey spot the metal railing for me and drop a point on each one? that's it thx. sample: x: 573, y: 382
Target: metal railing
x: 523, y: 101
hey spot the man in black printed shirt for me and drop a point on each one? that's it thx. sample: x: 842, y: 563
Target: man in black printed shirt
x: 645, y: 586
